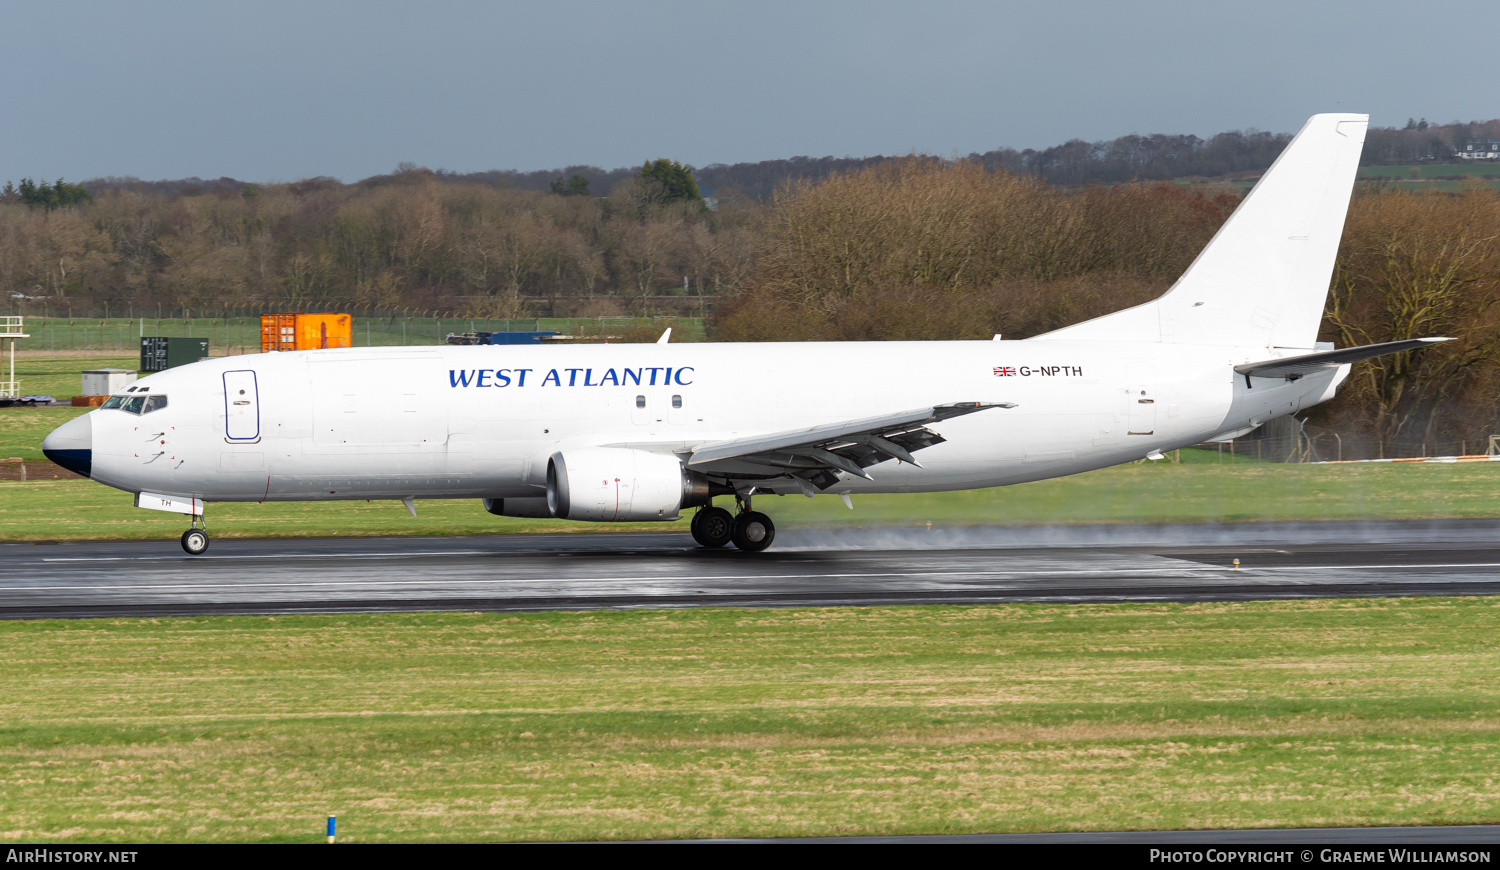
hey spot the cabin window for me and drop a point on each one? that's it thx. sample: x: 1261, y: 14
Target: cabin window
x: 677, y: 401
x: 133, y: 404
x: 640, y: 401
x: 113, y: 402
x: 155, y: 403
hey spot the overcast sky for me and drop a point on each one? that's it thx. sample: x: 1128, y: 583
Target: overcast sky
x: 276, y: 91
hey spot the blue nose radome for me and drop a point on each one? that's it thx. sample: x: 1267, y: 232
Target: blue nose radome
x: 71, y: 445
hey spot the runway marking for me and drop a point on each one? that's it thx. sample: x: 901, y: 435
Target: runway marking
x: 1179, y: 573
x: 1202, y: 566
x: 266, y: 556
x: 466, y: 553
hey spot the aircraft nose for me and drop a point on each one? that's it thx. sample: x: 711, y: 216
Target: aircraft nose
x: 71, y: 445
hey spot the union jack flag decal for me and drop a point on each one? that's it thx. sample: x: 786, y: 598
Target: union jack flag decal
x: 1004, y: 371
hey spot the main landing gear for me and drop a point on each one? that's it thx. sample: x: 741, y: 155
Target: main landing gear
x: 713, y: 526
x: 195, y: 539
x: 750, y: 530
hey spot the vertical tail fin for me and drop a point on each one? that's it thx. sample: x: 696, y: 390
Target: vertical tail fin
x: 1263, y: 279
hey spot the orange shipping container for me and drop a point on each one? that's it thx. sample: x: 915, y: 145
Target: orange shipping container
x: 299, y: 331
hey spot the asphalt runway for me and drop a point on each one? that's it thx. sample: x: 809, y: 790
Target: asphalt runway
x: 810, y: 568
x: 805, y: 567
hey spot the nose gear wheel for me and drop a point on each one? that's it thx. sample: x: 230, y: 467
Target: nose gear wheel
x: 194, y: 541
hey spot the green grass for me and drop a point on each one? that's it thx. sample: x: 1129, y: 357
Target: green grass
x: 61, y: 377
x: 1450, y: 177
x: 1194, y: 491
x: 752, y: 723
x: 22, y: 429
x: 1447, y: 177
x: 1431, y: 170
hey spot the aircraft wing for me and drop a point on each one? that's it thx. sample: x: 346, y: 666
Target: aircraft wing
x: 815, y: 454
x: 1306, y: 364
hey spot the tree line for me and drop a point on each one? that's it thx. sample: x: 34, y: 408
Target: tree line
x: 1420, y: 142
x: 1234, y: 154
x: 916, y: 248
x: 404, y: 240
x: 48, y: 196
x: 926, y: 249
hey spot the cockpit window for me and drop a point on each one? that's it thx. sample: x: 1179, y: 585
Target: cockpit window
x: 137, y: 404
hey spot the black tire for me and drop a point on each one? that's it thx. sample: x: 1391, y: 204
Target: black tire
x: 753, y: 531
x: 713, y: 527
x: 194, y: 542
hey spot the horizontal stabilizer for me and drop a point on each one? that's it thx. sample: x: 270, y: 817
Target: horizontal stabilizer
x: 1309, y: 363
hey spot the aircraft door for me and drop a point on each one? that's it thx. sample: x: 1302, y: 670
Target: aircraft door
x: 241, y: 407
x: 1140, y: 400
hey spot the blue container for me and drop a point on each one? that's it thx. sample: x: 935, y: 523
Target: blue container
x: 518, y: 337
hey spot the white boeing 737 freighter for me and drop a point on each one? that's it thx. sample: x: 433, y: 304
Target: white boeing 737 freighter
x: 631, y: 432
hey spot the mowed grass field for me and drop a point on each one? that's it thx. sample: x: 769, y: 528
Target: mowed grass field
x: 650, y: 724
x: 730, y: 723
x: 1196, y: 490
x: 1477, y: 169
x: 1448, y: 177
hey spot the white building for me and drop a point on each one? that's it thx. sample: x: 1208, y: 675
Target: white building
x: 1479, y: 149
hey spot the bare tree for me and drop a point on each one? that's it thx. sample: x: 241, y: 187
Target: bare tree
x: 1416, y: 266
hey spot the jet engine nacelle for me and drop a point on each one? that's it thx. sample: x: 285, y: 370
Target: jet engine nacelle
x: 615, y: 484
x: 533, y: 508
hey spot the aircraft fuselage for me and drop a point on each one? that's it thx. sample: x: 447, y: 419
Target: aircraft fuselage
x: 481, y: 422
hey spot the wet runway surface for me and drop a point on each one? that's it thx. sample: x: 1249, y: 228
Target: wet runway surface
x: 805, y: 567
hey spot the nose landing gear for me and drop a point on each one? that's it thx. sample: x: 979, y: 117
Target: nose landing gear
x: 195, y: 539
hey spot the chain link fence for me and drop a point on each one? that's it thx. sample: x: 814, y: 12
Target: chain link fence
x: 233, y: 331
x: 1292, y: 440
